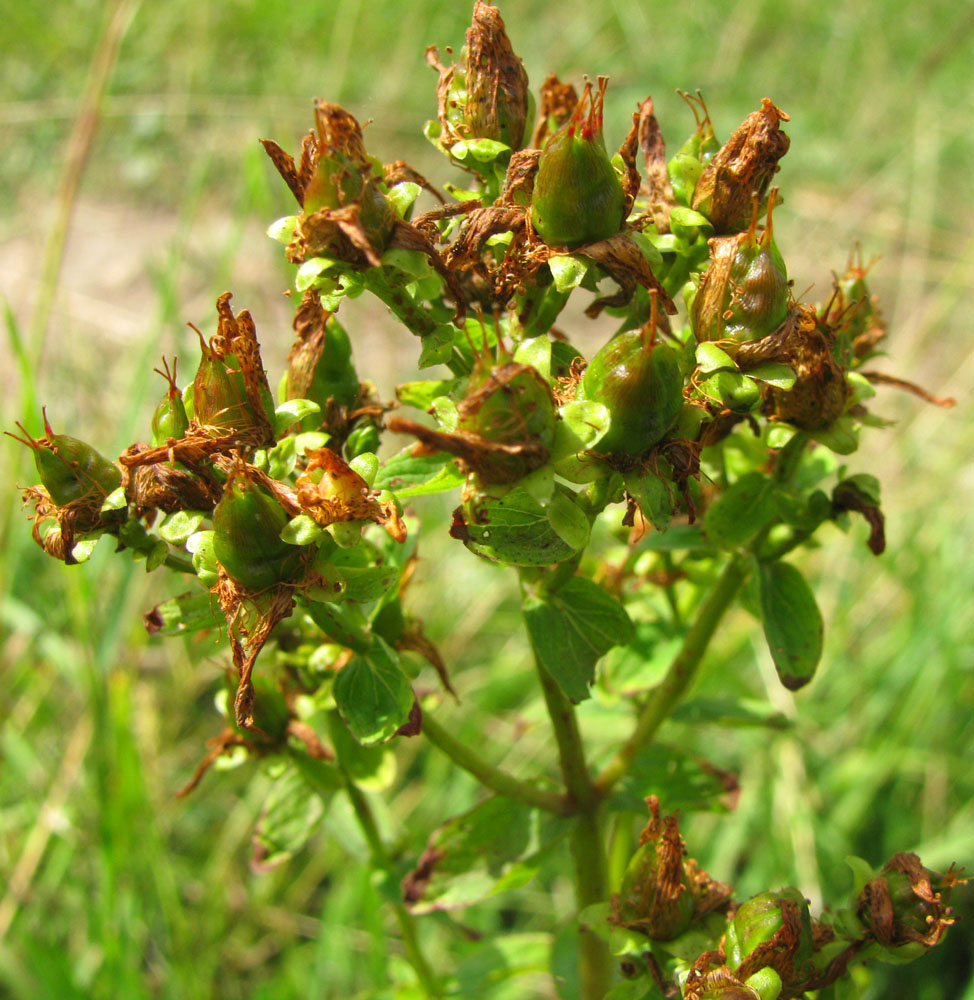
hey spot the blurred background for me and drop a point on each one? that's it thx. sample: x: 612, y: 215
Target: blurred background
x: 134, y: 191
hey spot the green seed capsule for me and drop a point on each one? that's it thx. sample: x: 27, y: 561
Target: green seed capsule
x: 69, y: 469
x: 578, y: 197
x: 744, y: 293
x: 247, y: 526
x: 762, y: 917
x: 639, y: 381
x: 170, y: 420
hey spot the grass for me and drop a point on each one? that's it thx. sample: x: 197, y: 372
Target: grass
x: 108, y: 885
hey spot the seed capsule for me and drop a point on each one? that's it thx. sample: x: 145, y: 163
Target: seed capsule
x: 744, y: 293
x: 578, y: 197
x: 247, y: 526
x: 170, y: 420
x: 639, y: 380
x: 70, y: 470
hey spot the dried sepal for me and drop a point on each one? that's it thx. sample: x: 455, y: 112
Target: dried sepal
x: 558, y: 102
x: 741, y: 169
x: 656, y: 185
x: 330, y: 491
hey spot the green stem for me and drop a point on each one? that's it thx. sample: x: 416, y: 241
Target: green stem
x: 683, y: 670
x: 588, y: 848
x: 487, y: 774
x: 382, y: 862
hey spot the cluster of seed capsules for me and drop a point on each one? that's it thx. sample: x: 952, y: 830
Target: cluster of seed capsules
x: 490, y: 266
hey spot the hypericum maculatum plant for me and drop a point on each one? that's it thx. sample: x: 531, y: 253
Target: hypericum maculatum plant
x: 633, y: 494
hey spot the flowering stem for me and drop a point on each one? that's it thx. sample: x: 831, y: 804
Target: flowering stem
x: 588, y: 848
x: 487, y: 774
x: 683, y: 670
x: 382, y: 862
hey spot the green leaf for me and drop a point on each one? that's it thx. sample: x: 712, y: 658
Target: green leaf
x: 366, y: 464
x: 710, y: 358
x: 402, y: 195
x: 114, y: 501
x: 437, y: 346
x: 408, y: 476
x: 650, y: 251
x: 677, y: 538
x: 411, y: 262
x: 536, y: 352
x: 780, y: 376
x: 309, y: 272
x: 567, y: 271
x: 653, y: 496
x: 741, y: 511
x: 487, y: 850
x: 372, y: 694
x: 290, y: 816
x: 179, y: 525
x: 641, y: 663
x: 302, y: 530
x: 200, y: 546
x: 687, y: 218
x: 421, y: 394
x: 482, y: 150
x: 571, y: 629
x: 733, y: 714
x: 681, y: 779
x: 184, y: 613
x: 370, y: 767
x: 291, y: 411
x: 502, y: 967
x: 733, y: 390
x: 792, y: 623
x: 568, y: 520
x: 283, y: 229
x: 343, y: 624
x: 514, y: 530
x: 842, y: 437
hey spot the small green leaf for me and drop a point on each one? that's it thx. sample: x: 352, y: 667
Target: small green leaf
x: 514, y: 530
x: 792, y: 623
x: 733, y: 714
x: 372, y: 694
x: 184, y: 613
x: 741, y: 511
x: 567, y: 271
x: 536, y: 352
x: 650, y: 251
x: 780, y: 376
x: 409, y: 476
x: 289, y: 818
x: 291, y: 411
x: 283, y: 229
x: 200, y: 546
x: 842, y: 437
x: 487, y: 850
x: 179, y: 525
x: 402, y: 196
x: 710, y: 358
x: 732, y: 389
x: 421, y: 394
x: 302, y: 530
x: 411, y: 262
x: 343, y: 624
x: 571, y: 629
x: 677, y: 538
x: 366, y: 464
x: 114, y: 501
x: 437, y: 346
x: 687, y: 218
x: 653, y: 496
x: 309, y: 272
x: 568, y: 520
x: 482, y: 150
x: 642, y: 663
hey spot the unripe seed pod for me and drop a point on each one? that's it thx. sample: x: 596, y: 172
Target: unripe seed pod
x: 247, y: 526
x: 578, y: 197
x: 744, y: 293
x: 170, y: 420
x: 639, y: 380
x: 69, y: 469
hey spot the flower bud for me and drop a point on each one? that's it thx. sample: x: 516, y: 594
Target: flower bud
x: 578, y: 197
x: 247, y: 526
x: 742, y: 169
x: 688, y: 164
x: 639, y: 380
x: 744, y: 293
x: 70, y: 470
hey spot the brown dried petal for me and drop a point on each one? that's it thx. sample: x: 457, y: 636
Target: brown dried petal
x: 620, y: 257
x: 656, y: 184
x: 558, y: 101
x: 741, y: 168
